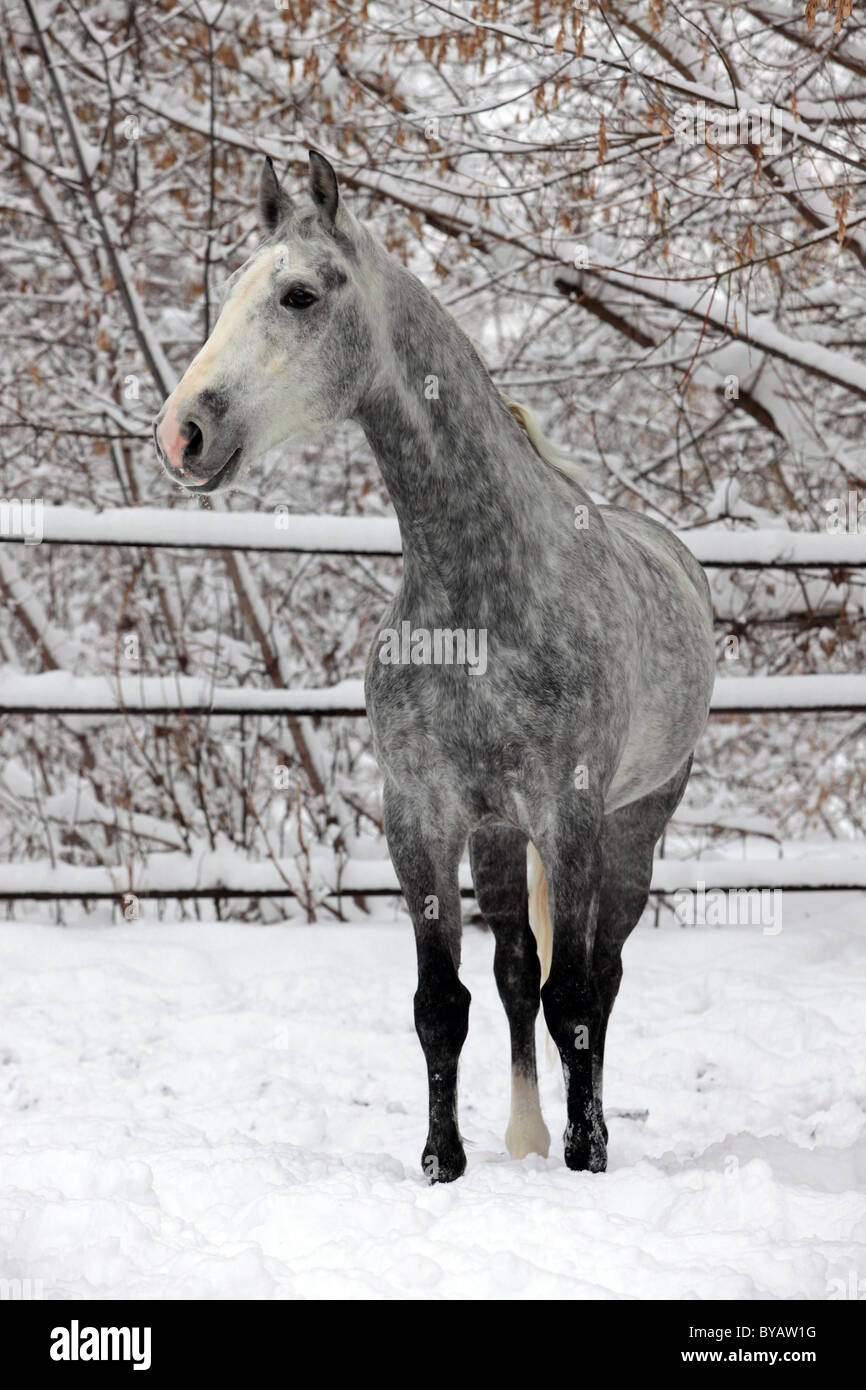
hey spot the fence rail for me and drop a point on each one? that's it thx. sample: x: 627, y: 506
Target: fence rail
x: 183, y: 529
x: 57, y: 692
x: 210, y: 877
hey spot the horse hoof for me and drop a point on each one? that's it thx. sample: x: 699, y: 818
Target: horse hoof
x: 527, y: 1137
x: 586, y: 1160
x: 440, y: 1167
x: 586, y: 1153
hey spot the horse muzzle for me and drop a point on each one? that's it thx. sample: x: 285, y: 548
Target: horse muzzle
x: 192, y: 451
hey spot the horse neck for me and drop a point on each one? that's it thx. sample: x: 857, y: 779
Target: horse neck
x: 470, y: 492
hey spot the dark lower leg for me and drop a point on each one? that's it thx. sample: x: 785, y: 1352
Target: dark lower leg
x: 573, y: 1007
x: 442, y: 1022
x: 426, y: 866
x: 608, y: 974
x: 499, y: 873
x: 574, y: 1016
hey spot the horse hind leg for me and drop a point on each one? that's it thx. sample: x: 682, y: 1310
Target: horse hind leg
x: 600, y: 871
x: 628, y: 842
x: 498, y: 858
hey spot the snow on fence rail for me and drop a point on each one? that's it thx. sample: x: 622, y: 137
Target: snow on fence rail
x: 187, y: 529
x: 57, y: 692
x: 217, y: 876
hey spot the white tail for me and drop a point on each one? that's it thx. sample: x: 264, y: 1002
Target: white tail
x: 539, y: 909
x: 542, y: 927
x: 529, y: 423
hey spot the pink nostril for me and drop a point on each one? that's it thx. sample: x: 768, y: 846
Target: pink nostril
x: 173, y: 442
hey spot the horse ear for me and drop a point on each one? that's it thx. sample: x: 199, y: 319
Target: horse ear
x: 323, y: 188
x: 275, y: 205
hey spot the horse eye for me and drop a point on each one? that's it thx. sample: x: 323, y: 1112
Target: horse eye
x: 297, y: 299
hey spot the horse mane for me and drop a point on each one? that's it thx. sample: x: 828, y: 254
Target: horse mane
x: 558, y: 458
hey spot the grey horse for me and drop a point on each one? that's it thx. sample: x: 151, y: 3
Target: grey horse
x: 561, y: 755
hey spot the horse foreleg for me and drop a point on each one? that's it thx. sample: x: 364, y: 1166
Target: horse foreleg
x: 426, y: 865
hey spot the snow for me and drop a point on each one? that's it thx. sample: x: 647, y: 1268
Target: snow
x: 280, y: 530
x: 216, y: 1110
x: 796, y: 870
x: 194, y: 527
x: 766, y: 547
x: 789, y: 692
x: 704, y: 297
x: 798, y: 864
x: 59, y: 691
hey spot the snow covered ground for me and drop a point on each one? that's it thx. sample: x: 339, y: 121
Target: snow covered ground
x: 210, y: 1110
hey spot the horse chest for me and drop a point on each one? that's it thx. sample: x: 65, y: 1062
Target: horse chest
x: 430, y: 719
